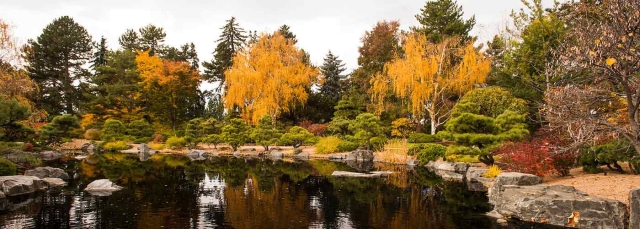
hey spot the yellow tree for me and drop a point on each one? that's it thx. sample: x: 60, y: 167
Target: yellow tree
x: 427, y: 75
x: 267, y: 78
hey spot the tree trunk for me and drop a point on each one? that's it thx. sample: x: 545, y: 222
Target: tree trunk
x: 433, y: 122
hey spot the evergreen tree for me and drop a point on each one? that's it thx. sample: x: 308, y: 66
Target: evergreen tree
x: 284, y: 30
x: 215, y: 107
x: 443, y: 18
x: 151, y: 37
x: 231, y: 40
x: 331, y: 69
x: 55, y: 61
x: 130, y: 40
x: 100, y: 56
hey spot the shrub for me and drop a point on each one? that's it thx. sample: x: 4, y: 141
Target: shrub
x: 430, y: 152
x: 59, y: 128
x: 318, y: 129
x: 7, y: 168
x: 493, y: 172
x: 113, y: 130
x: 115, y: 146
x: 328, y: 145
x: 401, y: 127
x: 158, y: 138
x: 463, y: 158
x: 139, y: 128
x: 27, y: 146
x: 348, y: 146
x: 422, y: 138
x: 377, y: 143
x: 607, y: 154
x: 175, y: 143
x: 92, y: 134
x: 235, y: 133
x: 142, y: 140
x: 156, y: 146
x: 296, y: 136
x: 526, y: 157
x: 463, y: 150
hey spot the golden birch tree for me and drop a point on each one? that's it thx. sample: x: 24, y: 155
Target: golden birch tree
x: 267, y: 78
x: 427, y: 75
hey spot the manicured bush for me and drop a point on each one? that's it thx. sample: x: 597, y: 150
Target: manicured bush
x: 328, y: 145
x: 429, y: 152
x: 377, y: 143
x: 142, y: 140
x: 493, y: 172
x: 139, y: 129
x: 297, y: 136
x: 58, y: 129
x: 235, y: 133
x: 175, y: 143
x: 92, y: 134
x: 113, y: 130
x: 7, y: 168
x: 158, y: 138
x: 156, y: 146
x: 422, y: 138
x: 463, y: 150
x: 608, y: 154
x: 115, y: 146
x: 348, y: 146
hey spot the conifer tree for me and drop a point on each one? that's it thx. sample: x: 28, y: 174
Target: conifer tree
x: 286, y: 32
x: 443, y: 18
x: 231, y: 40
x: 331, y: 70
x: 100, y: 56
x: 55, y: 61
x: 130, y: 40
x: 151, y: 38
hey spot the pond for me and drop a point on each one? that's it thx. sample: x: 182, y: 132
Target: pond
x: 170, y: 191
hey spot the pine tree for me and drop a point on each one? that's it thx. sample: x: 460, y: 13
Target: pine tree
x: 151, y: 38
x: 231, y: 40
x: 331, y: 70
x: 285, y: 31
x: 55, y: 60
x: 215, y: 107
x: 130, y: 40
x: 100, y: 56
x: 443, y: 18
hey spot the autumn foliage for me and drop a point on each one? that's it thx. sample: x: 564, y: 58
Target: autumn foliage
x: 268, y: 78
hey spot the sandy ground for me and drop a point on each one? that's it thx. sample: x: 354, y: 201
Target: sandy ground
x: 613, y: 185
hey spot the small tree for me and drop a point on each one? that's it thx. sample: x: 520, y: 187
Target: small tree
x: 11, y: 112
x: 265, y: 133
x: 59, y: 128
x: 213, y: 139
x: 140, y: 129
x: 366, y: 126
x: 113, y: 130
x: 235, y: 133
x: 194, y: 132
x: 296, y: 136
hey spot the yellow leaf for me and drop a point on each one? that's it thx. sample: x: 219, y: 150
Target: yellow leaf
x: 632, y: 50
x: 592, y: 53
x: 611, y: 61
x: 597, y: 41
x: 619, y: 45
x: 624, y: 39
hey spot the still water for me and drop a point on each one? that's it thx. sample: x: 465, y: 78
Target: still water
x: 168, y: 191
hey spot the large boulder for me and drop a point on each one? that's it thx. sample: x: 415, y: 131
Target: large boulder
x: 456, y: 167
x: 559, y: 205
x: 360, y: 155
x: 144, y: 148
x: 519, y: 179
x: 302, y: 156
x: 274, y: 154
x: 54, y: 182
x: 197, y: 155
x: 450, y: 176
x: 51, y: 155
x: 102, y: 187
x: 20, y: 185
x: 634, y: 207
x: 476, y: 181
x: 44, y: 172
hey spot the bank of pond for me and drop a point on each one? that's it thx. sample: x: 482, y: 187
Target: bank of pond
x: 174, y: 191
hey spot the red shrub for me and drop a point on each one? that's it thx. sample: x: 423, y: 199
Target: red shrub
x: 305, y: 124
x: 158, y: 138
x: 318, y: 129
x: 27, y: 147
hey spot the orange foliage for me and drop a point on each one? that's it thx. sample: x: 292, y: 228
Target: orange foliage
x: 268, y: 77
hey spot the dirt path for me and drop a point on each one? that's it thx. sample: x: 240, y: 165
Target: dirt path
x: 613, y: 185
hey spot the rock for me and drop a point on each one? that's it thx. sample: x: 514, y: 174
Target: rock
x: 88, y: 148
x: 80, y: 158
x: 44, y: 172
x: 144, y: 148
x: 520, y: 179
x: 448, y: 166
x: 2, y: 195
x: 197, y: 155
x: 103, y: 187
x: 50, y: 155
x: 360, y: 166
x: 412, y: 162
x: 20, y: 185
x: 302, y: 156
x: 450, y: 176
x: 634, y: 206
x: 54, y: 182
x: 360, y: 155
x: 555, y: 204
x: 475, y: 180
x: 361, y: 175
x: 337, y: 157
x: 276, y: 154
x: 475, y: 172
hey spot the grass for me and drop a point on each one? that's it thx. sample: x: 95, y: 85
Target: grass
x: 156, y: 146
x: 395, y: 151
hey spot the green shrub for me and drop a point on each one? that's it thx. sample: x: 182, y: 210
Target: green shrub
x: 32, y: 161
x: 463, y: 150
x: 430, y: 152
x: 58, y: 129
x: 7, y: 168
x: 116, y: 146
x: 348, y: 146
x: 328, y: 145
x: 113, y: 130
x: 139, y: 129
x: 377, y: 143
x: 422, y: 138
x: 175, y: 143
x: 92, y: 134
x: 142, y: 140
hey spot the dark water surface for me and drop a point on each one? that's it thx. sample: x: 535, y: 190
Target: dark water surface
x: 168, y: 191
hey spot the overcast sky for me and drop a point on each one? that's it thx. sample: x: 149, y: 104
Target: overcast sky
x: 320, y: 26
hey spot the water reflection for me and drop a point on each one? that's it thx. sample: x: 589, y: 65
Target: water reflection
x: 166, y: 191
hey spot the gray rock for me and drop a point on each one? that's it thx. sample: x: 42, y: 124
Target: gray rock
x: 54, y: 182
x: 412, y: 162
x: 103, y: 187
x: 337, y: 157
x: 448, y: 166
x: 475, y: 180
x: 361, y: 175
x: 144, y: 148
x: 634, y: 206
x: 360, y: 166
x: 555, y: 204
x: 2, y: 195
x: 80, y: 158
x: 519, y: 179
x: 50, y: 155
x: 276, y: 154
x: 88, y: 148
x: 20, y: 185
x: 144, y: 156
x: 44, y: 172
x: 450, y: 176
x: 360, y: 155
x: 475, y: 172
x: 302, y: 156
x: 197, y: 155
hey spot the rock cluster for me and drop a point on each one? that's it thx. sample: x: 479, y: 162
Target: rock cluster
x: 48, y: 172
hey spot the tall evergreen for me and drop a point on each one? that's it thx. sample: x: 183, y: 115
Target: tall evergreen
x: 100, y: 56
x: 331, y: 69
x: 56, y: 62
x: 151, y: 37
x: 286, y: 32
x: 231, y: 40
x: 130, y: 40
x: 443, y: 18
